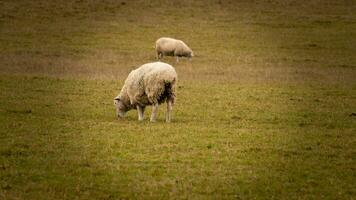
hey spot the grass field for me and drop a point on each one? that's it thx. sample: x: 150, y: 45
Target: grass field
x: 265, y: 110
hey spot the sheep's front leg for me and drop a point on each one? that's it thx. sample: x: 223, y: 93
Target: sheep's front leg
x: 140, y: 110
x: 169, y: 111
x: 154, y: 112
x: 177, y: 58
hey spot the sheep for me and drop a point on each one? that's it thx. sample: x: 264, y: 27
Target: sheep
x: 150, y: 84
x: 171, y: 47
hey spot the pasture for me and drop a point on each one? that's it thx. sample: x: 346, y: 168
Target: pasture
x: 265, y: 110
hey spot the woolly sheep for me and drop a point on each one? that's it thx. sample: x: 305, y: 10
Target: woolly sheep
x: 171, y: 47
x: 150, y: 84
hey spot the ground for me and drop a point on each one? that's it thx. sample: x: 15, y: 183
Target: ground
x: 265, y: 110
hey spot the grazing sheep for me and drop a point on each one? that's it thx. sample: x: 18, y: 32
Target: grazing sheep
x: 172, y: 47
x: 150, y: 84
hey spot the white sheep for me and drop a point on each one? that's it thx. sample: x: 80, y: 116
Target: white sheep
x: 150, y: 84
x: 171, y: 47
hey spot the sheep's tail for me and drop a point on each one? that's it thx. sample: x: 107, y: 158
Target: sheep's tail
x: 171, y: 90
x: 167, y: 92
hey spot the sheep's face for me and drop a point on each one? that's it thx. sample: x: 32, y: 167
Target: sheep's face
x: 190, y: 55
x: 121, y: 109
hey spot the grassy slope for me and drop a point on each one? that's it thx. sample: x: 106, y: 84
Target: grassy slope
x: 263, y: 110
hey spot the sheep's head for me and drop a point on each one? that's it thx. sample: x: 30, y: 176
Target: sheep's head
x: 191, y: 55
x: 121, y: 108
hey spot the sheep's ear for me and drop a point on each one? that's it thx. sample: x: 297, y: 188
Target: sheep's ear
x: 117, y: 98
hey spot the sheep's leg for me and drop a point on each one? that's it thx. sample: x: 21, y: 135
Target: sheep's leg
x: 169, y: 111
x: 140, y: 110
x: 154, y: 112
x: 157, y: 55
x: 177, y: 59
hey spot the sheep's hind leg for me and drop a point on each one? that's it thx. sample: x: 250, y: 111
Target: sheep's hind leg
x: 154, y: 112
x: 169, y: 111
x: 140, y: 111
x: 159, y: 55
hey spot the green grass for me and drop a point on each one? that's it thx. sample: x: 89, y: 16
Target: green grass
x: 61, y: 139
x: 264, y: 111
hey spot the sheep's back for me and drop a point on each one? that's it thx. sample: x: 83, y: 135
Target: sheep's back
x: 160, y: 81
x: 166, y: 44
x: 150, y: 80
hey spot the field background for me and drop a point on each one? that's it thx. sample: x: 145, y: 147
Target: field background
x: 265, y: 110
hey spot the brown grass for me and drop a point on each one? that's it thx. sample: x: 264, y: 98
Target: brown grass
x: 239, y: 41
